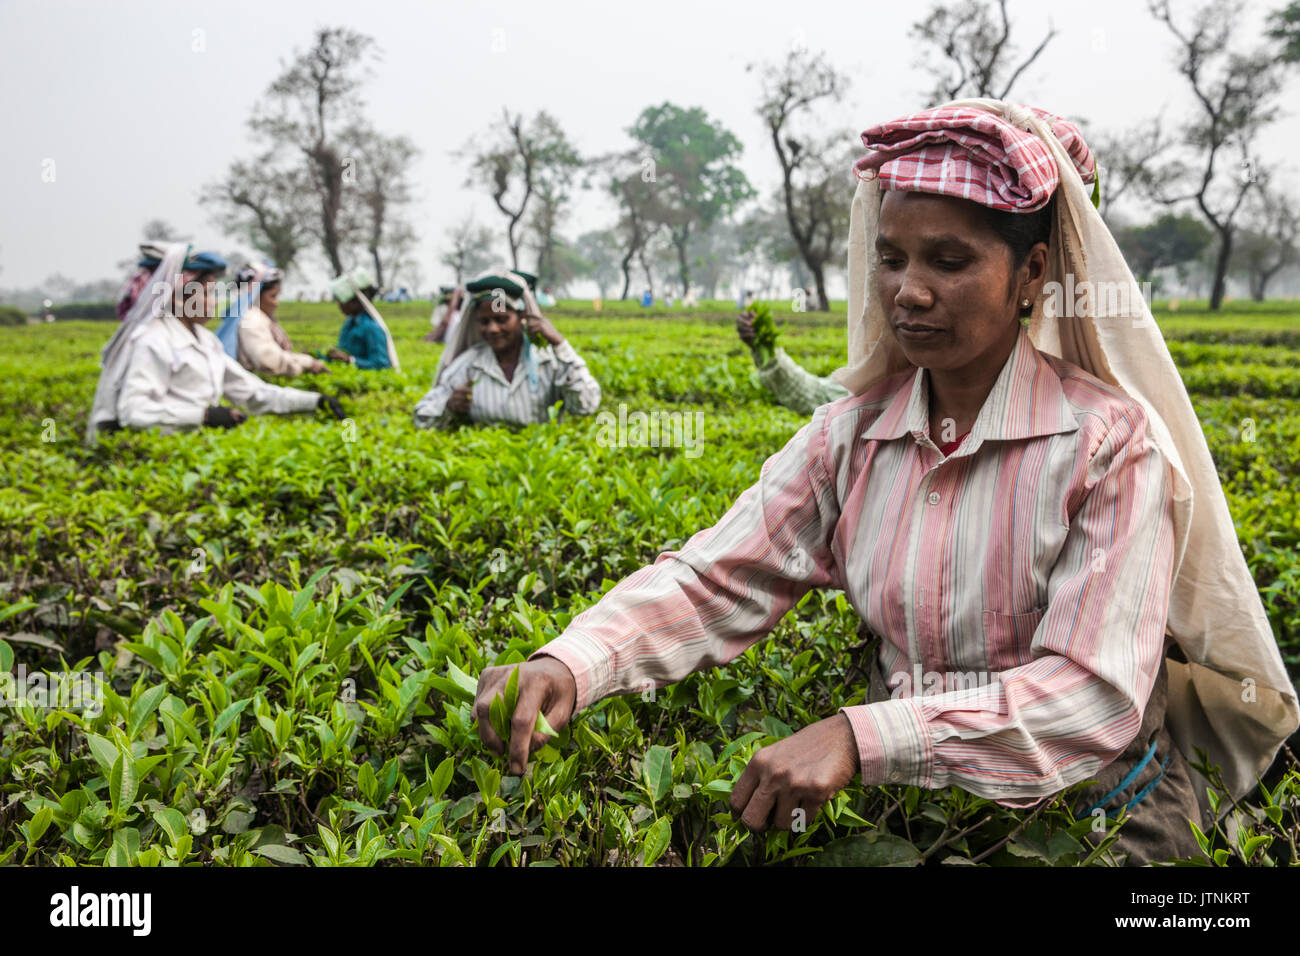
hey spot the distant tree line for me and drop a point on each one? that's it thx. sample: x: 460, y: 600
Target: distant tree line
x: 1190, y: 200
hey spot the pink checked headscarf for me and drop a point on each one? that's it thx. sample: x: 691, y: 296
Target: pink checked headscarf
x: 972, y: 154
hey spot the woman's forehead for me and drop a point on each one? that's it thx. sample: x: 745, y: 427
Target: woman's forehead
x: 914, y: 215
x: 487, y: 308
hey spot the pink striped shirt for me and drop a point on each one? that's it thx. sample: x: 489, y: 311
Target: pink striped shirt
x: 1021, y: 585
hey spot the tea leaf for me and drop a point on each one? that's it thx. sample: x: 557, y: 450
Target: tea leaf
x: 656, y: 841
x: 657, y: 769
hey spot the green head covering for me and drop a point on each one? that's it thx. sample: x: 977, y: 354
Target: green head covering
x: 345, y: 287
x: 483, y: 287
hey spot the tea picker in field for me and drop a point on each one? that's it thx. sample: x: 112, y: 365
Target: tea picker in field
x: 1009, y: 507
x: 163, y: 369
x: 250, y: 333
x: 505, y: 362
x: 790, y: 383
x: 364, y: 340
x: 150, y: 255
x: 445, y: 313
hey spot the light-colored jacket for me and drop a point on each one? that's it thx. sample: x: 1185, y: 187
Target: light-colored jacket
x: 260, y: 349
x: 173, y: 376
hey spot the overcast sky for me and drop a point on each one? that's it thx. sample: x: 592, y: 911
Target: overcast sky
x: 138, y: 103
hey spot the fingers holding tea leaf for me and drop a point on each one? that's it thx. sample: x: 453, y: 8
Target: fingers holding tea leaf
x: 786, y: 805
x: 488, y: 691
x: 524, y: 723
x: 757, y: 811
x: 512, y: 691
x: 499, y: 719
x: 544, y: 728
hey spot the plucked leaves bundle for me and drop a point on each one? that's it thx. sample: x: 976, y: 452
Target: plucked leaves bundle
x: 764, y: 333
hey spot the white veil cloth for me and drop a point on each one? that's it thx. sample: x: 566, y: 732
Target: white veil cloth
x: 1233, y: 697
x: 379, y: 320
x: 155, y: 300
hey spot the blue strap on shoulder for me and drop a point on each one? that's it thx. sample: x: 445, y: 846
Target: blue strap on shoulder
x: 1128, y: 780
x: 530, y: 364
x: 1147, y: 789
x: 228, y: 331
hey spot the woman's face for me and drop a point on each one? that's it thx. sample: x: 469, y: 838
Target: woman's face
x: 269, y: 298
x: 195, y: 299
x: 946, y: 282
x: 502, y: 331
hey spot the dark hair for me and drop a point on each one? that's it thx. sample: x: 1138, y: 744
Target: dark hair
x: 1021, y: 231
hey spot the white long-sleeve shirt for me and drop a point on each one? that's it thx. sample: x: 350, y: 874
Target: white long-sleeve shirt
x: 173, y: 376
x: 561, y: 375
x: 259, y: 351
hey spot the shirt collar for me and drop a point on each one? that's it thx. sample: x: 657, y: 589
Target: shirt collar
x: 178, y: 336
x: 485, y: 360
x: 1026, y: 401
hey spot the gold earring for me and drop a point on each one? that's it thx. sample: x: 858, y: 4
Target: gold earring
x: 1024, y: 303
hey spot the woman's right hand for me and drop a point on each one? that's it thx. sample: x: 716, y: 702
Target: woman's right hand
x: 462, y: 396
x: 222, y: 416
x: 546, y: 685
x: 745, y: 327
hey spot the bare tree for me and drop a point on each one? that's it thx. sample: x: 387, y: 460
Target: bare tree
x: 978, y: 57
x: 559, y: 165
x: 382, y: 192
x: 1268, y: 242
x: 817, y: 188
x: 471, y: 249
x: 633, y: 187
x: 162, y: 230
x: 1127, y: 161
x: 514, y: 163
x: 601, y: 252
x: 767, y: 245
x: 1234, y: 93
x: 308, y: 107
x: 267, y: 204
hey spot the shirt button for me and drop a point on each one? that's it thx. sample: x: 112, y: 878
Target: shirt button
x: 933, y: 498
x: 895, y: 776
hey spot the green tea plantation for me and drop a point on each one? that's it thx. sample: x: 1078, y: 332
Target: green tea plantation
x: 285, y: 622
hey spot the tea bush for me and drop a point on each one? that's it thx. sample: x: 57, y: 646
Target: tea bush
x: 289, y: 618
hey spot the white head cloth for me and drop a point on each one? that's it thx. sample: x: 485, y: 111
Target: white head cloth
x: 155, y: 301
x: 1233, y: 697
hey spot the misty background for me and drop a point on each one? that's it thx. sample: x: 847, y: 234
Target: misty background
x: 118, y: 114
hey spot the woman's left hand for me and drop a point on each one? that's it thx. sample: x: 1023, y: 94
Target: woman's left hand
x: 802, y: 771
x: 538, y: 324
